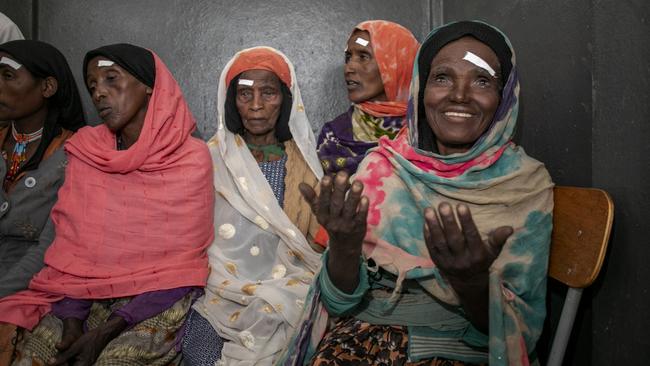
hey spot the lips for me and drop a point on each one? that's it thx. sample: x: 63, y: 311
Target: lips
x: 459, y: 114
x: 352, y: 84
x: 105, y: 111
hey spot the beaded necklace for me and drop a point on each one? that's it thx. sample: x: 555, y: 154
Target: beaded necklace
x: 19, y: 156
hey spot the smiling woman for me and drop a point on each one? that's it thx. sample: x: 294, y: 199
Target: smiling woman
x: 378, y: 63
x: 438, y: 249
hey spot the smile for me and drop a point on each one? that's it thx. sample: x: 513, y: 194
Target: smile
x: 458, y: 114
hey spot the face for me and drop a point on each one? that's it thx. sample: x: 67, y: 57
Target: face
x: 259, y: 104
x: 21, y: 94
x: 120, y: 99
x: 460, y: 98
x: 361, y: 71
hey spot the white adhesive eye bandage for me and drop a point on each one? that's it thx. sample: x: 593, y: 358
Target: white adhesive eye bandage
x: 246, y: 82
x: 105, y: 63
x: 479, y: 62
x: 361, y: 41
x: 11, y: 63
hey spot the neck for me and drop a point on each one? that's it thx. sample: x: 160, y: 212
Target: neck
x: 451, y: 149
x: 267, y: 139
x: 31, y: 123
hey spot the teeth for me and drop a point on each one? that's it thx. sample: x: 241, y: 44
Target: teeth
x: 457, y: 114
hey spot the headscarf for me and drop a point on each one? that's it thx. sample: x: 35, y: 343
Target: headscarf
x: 343, y: 142
x: 261, y: 261
x: 137, y: 61
x: 499, y: 183
x: 43, y: 60
x: 131, y: 221
x: 394, y: 47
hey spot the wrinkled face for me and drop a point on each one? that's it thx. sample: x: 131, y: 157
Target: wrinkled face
x: 21, y: 94
x: 259, y: 99
x: 361, y: 71
x: 120, y: 99
x: 461, y: 97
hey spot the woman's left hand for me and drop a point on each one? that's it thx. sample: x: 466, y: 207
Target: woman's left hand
x: 85, y: 350
x: 459, y: 252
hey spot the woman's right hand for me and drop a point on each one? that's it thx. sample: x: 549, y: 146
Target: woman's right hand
x: 344, y: 219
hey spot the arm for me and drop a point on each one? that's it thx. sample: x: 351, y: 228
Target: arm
x: 337, y: 302
x: 18, y: 276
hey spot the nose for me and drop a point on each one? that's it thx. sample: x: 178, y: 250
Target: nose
x: 256, y: 103
x: 350, y: 67
x: 460, y: 92
x: 98, y: 93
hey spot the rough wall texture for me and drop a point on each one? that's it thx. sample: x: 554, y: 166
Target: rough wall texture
x: 197, y: 38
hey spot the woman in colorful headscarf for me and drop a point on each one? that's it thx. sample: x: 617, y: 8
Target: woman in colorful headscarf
x: 261, y: 261
x: 133, y: 221
x: 378, y: 66
x: 40, y: 101
x: 455, y: 221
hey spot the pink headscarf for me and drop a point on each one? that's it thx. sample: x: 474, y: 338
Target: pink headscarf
x: 127, y: 222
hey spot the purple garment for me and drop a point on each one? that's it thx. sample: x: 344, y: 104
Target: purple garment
x: 140, y: 308
x: 337, y: 148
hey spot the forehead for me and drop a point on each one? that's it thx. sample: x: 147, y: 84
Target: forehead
x: 261, y: 76
x: 101, y: 63
x: 453, y: 53
x: 358, y: 33
x: 11, y: 58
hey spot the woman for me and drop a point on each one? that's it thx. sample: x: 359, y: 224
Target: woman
x: 39, y: 98
x: 378, y: 65
x: 427, y: 291
x: 132, y: 224
x: 261, y: 260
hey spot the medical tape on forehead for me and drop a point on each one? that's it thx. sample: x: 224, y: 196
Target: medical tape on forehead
x: 479, y: 62
x: 9, y: 62
x: 361, y: 41
x: 105, y: 63
x: 246, y: 82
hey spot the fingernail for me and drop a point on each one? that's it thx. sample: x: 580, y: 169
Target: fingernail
x: 428, y: 213
x: 445, y: 209
x: 356, y: 187
x: 462, y: 209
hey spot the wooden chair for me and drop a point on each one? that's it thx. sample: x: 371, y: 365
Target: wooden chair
x: 582, y: 222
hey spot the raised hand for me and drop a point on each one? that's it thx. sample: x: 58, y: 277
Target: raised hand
x: 87, y: 348
x: 344, y: 218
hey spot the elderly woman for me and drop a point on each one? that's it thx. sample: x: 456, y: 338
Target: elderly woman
x: 133, y: 222
x: 261, y: 260
x: 39, y: 97
x: 443, y: 259
x: 378, y: 64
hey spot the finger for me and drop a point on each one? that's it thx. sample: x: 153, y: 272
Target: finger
x: 361, y: 217
x: 341, y: 185
x: 434, y: 238
x: 309, y: 195
x: 352, y: 202
x: 324, y: 200
x: 453, y: 235
x: 470, y: 231
x: 497, y: 239
x: 63, y: 357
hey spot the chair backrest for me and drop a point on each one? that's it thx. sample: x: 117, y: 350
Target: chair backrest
x: 582, y: 222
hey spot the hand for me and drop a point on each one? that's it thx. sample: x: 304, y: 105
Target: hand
x: 87, y: 348
x: 72, y: 330
x: 343, y: 218
x: 460, y: 253
x: 345, y: 222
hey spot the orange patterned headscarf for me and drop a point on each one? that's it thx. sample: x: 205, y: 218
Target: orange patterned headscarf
x: 395, y: 48
x: 259, y: 58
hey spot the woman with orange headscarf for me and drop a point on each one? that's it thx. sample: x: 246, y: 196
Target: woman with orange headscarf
x: 378, y: 65
x: 261, y: 259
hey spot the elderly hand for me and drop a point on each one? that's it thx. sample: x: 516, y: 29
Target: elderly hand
x: 72, y: 330
x: 463, y: 258
x: 459, y: 252
x: 87, y: 348
x: 344, y: 218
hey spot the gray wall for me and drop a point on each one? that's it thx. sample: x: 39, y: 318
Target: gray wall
x: 584, y: 112
x: 196, y: 39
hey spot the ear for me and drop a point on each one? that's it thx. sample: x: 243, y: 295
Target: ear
x: 49, y: 87
x: 149, y: 91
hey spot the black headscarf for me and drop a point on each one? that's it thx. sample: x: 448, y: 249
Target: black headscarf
x: 43, y: 60
x: 233, y: 119
x: 137, y: 61
x: 436, y: 41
